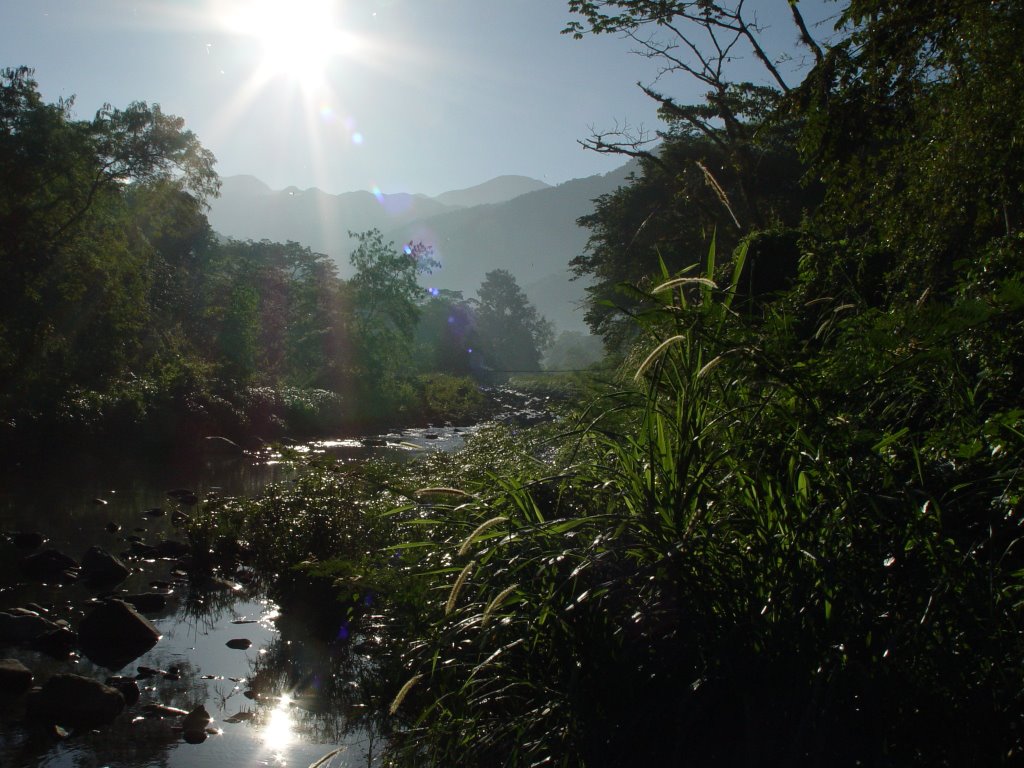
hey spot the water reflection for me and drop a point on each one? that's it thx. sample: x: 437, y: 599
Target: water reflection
x: 278, y: 732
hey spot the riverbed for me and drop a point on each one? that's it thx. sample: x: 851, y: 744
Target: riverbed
x: 285, y: 700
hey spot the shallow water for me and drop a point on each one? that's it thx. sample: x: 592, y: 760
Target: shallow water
x: 304, y: 687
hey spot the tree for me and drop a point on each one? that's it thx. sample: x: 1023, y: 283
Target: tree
x: 76, y: 266
x: 446, y: 333
x: 512, y: 335
x: 385, y: 294
x: 914, y: 124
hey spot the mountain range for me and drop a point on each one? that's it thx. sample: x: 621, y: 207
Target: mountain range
x: 510, y: 222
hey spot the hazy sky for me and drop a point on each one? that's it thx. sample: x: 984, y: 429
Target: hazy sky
x: 401, y: 95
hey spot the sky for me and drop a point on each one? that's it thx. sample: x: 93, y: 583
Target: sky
x: 421, y: 96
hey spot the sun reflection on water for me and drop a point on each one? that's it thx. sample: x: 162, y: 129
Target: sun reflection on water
x: 279, y: 730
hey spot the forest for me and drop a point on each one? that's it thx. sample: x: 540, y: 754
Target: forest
x: 779, y: 525
x: 123, y: 313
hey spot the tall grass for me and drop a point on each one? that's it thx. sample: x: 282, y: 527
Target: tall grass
x: 758, y: 552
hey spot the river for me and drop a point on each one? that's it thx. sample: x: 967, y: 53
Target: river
x: 261, y: 715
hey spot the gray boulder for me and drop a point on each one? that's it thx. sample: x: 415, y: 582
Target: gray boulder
x: 76, y: 701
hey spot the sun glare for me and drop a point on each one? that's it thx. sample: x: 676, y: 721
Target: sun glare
x: 298, y: 39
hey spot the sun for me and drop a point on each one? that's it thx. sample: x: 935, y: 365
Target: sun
x: 298, y: 39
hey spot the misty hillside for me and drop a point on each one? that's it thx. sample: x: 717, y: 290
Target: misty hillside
x: 533, y: 236
x: 529, y: 229
x: 496, y: 190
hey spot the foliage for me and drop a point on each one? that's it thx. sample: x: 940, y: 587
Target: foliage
x: 512, y: 335
x: 909, y: 123
x: 770, y: 553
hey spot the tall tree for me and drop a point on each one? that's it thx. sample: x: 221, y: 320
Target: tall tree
x: 386, y: 294
x: 513, y: 336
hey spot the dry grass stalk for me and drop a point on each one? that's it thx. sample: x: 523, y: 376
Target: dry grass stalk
x: 457, y: 587
x: 402, y: 693
x: 484, y: 526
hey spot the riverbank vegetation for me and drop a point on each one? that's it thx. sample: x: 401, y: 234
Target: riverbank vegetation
x: 787, y: 530
x: 783, y: 525
x: 124, y: 316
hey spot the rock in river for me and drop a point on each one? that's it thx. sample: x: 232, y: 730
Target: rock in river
x: 101, y: 567
x: 21, y: 626
x: 15, y: 678
x: 75, y: 700
x: 239, y: 644
x: 114, y: 633
x: 48, y: 565
x: 147, y: 602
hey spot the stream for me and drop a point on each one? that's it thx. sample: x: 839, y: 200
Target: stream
x: 123, y: 505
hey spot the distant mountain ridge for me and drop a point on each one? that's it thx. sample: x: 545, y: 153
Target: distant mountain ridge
x: 497, y: 190
x: 511, y: 222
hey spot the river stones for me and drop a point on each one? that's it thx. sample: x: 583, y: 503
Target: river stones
x: 50, y: 565
x: 194, y: 726
x: 239, y: 644
x: 101, y: 567
x: 59, y: 643
x: 184, y: 496
x: 172, y: 549
x: 21, y: 626
x: 26, y: 539
x: 114, y: 633
x: 128, y: 687
x: 147, y: 602
x: 15, y: 678
x: 74, y: 700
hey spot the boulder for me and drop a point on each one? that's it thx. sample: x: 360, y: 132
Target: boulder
x: 147, y: 602
x: 74, y: 700
x: 27, y: 539
x: 114, y: 633
x: 171, y: 548
x: 59, y: 643
x: 23, y: 626
x: 48, y: 565
x: 193, y: 726
x: 101, y: 567
x: 15, y: 678
x: 128, y: 687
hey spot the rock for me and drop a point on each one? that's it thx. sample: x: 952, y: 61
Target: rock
x: 162, y: 710
x: 239, y: 644
x: 193, y: 727
x: 127, y: 686
x: 99, y: 566
x: 27, y: 539
x: 100, y: 502
x: 48, y: 565
x: 23, y: 627
x: 75, y: 700
x: 147, y: 602
x: 138, y: 549
x: 179, y: 518
x: 113, y: 527
x: 170, y: 548
x: 184, y: 496
x: 15, y: 678
x: 114, y: 633
x: 155, y: 512
x: 59, y: 643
